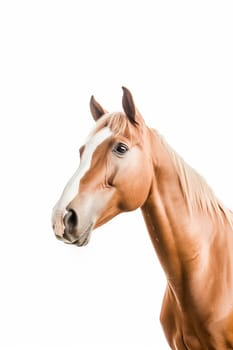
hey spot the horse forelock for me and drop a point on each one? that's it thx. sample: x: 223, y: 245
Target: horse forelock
x: 118, y: 124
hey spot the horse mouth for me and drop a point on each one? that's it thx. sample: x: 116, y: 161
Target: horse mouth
x: 82, y: 240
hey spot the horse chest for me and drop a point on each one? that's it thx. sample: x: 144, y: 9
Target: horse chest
x: 184, y: 330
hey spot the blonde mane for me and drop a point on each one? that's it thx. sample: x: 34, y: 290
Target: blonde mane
x: 196, y: 191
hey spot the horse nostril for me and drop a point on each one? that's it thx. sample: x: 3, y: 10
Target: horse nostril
x: 70, y: 220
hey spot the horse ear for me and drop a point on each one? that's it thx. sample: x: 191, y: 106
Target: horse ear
x: 96, y: 110
x: 128, y: 105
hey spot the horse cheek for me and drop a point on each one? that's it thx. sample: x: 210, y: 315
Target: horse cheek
x: 134, y: 194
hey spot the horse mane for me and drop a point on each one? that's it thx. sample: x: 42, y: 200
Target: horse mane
x: 197, y: 193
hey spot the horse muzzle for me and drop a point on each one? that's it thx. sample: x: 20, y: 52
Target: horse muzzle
x: 66, y: 229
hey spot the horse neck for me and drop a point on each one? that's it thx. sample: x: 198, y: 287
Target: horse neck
x: 176, y: 231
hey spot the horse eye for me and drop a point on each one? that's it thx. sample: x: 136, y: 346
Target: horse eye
x: 120, y: 148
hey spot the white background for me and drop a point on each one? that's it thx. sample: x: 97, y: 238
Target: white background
x: 177, y: 59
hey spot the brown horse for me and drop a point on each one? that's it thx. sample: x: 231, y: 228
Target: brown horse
x: 125, y: 165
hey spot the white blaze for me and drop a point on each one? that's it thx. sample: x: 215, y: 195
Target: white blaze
x: 72, y: 187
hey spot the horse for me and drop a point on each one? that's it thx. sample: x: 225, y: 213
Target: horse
x: 125, y: 165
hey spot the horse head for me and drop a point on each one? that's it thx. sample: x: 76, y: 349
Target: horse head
x: 114, y: 174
